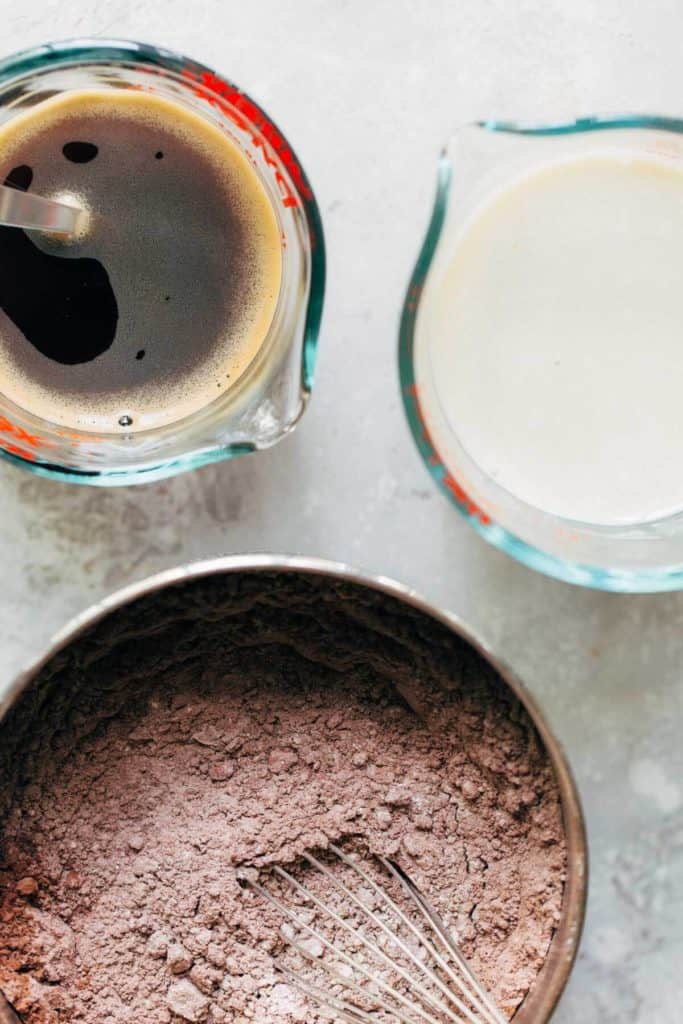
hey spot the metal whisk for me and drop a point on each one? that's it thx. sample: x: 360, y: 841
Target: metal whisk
x: 392, y: 969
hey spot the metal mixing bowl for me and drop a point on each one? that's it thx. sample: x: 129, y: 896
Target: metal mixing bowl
x: 136, y: 603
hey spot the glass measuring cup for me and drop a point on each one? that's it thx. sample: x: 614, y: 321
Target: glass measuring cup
x: 270, y: 396
x: 480, y: 160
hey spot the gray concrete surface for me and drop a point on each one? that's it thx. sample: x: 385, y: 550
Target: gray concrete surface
x: 367, y: 91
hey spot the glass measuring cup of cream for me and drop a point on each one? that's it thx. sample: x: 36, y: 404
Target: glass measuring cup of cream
x: 541, y: 348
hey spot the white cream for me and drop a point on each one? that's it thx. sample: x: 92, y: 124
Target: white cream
x: 554, y: 338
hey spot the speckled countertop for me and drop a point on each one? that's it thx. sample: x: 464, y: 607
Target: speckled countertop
x: 367, y: 90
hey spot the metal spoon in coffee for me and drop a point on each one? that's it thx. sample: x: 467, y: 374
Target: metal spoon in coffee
x: 35, y: 213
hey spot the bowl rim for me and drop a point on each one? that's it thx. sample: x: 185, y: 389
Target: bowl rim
x: 543, y: 997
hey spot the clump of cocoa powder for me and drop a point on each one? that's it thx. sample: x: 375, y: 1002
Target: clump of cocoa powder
x: 214, y: 728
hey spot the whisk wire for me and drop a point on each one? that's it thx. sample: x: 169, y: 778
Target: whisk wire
x: 381, y: 1003
x: 482, y: 1006
x: 431, y: 969
x: 447, y: 940
x: 429, y: 998
x: 348, y: 1012
x: 387, y: 931
x: 342, y: 955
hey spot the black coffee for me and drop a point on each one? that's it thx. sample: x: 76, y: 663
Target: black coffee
x: 165, y: 299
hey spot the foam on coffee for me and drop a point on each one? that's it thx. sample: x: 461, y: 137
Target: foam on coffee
x: 161, y: 305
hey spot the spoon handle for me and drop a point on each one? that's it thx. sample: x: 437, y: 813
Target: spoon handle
x: 24, y: 210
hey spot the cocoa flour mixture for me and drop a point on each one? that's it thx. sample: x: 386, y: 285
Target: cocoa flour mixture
x: 235, y: 723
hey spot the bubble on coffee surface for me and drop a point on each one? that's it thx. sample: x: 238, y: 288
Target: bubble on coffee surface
x: 20, y: 178
x: 80, y: 152
x: 171, y: 288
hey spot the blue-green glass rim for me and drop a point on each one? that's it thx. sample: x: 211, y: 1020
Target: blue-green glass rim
x: 593, y: 576
x: 92, y: 51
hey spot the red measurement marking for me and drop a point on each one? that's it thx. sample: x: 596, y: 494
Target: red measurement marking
x: 73, y: 435
x: 463, y: 498
x: 17, y: 441
x: 18, y: 435
x: 449, y: 481
x: 7, y: 427
x: 14, y: 449
x: 414, y: 298
x: 412, y: 391
x: 264, y: 135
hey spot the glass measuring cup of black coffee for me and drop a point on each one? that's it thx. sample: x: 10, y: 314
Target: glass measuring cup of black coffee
x: 180, y: 326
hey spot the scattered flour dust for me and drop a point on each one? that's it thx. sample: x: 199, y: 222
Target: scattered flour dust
x: 649, y: 780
